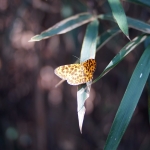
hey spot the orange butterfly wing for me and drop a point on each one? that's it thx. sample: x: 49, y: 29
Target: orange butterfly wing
x: 76, y: 74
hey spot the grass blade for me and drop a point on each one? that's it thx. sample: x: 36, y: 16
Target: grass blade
x: 119, y: 15
x: 106, y: 36
x: 89, y: 43
x: 88, y: 51
x: 133, y: 23
x: 129, y: 101
x: 64, y: 26
x: 140, y: 2
x: 148, y: 86
x: 123, y: 52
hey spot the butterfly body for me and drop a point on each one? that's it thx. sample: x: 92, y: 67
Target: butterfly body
x: 76, y: 74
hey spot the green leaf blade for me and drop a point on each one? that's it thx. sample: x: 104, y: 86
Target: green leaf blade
x: 140, y: 2
x: 120, y: 56
x: 89, y: 43
x: 64, y: 26
x: 119, y: 15
x: 129, y: 101
x: 88, y: 51
x: 148, y: 86
x: 133, y: 23
x: 106, y: 36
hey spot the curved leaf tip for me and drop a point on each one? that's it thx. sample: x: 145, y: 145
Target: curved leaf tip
x: 35, y: 38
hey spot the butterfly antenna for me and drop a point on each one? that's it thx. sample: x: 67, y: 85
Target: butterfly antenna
x: 60, y: 82
x: 76, y: 57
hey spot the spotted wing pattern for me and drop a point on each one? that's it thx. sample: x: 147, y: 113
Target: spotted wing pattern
x: 76, y: 74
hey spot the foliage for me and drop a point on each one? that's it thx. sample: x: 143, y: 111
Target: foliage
x: 28, y: 80
x: 140, y: 74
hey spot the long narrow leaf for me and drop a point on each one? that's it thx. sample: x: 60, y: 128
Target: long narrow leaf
x: 140, y: 2
x: 133, y: 23
x: 119, y: 15
x: 88, y: 51
x: 123, y: 52
x: 64, y: 26
x: 129, y: 101
x: 146, y: 44
x: 106, y: 36
x: 89, y: 43
x: 148, y: 86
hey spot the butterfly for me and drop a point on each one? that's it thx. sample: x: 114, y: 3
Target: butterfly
x: 76, y: 74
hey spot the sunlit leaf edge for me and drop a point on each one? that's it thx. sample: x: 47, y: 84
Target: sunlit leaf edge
x: 64, y: 26
x: 89, y: 50
x: 117, y: 58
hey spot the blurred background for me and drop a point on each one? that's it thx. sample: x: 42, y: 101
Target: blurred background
x: 34, y: 115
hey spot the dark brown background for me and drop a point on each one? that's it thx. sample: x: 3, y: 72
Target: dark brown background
x: 36, y: 116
